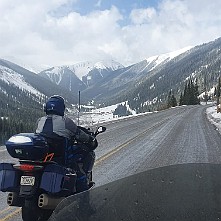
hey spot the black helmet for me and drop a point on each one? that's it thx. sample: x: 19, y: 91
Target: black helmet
x: 55, y: 105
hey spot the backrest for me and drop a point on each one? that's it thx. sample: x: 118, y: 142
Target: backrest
x: 57, y: 145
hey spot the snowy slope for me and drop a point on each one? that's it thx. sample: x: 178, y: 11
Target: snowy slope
x: 12, y: 77
x: 64, y: 77
x: 83, y: 68
x: 99, y: 115
x: 55, y: 73
x: 79, y: 76
x: 160, y: 59
x: 80, y: 69
x: 30, y: 81
x: 121, y: 80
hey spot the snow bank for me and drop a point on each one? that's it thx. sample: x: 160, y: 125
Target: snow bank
x: 214, y: 117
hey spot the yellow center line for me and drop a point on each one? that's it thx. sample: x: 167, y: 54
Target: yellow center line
x: 5, y: 210
x: 104, y: 157
x: 115, y: 150
x: 9, y: 216
x: 99, y: 160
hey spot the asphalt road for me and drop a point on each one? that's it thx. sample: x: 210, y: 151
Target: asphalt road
x: 175, y: 136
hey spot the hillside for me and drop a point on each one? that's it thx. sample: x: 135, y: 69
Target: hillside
x: 144, y: 85
x: 22, y: 94
x: 148, y: 84
x: 117, y: 86
x: 201, y: 62
x: 80, y: 76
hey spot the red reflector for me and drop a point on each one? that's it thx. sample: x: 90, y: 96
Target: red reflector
x: 24, y: 167
x: 28, y: 167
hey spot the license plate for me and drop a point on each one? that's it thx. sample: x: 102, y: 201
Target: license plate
x: 27, y: 180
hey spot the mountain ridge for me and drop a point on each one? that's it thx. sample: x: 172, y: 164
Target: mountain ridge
x: 143, y: 85
x: 113, y: 85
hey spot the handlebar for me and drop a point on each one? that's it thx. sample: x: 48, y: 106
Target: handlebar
x: 99, y: 130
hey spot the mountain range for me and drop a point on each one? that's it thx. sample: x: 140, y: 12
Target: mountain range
x: 109, y: 82
x: 80, y: 76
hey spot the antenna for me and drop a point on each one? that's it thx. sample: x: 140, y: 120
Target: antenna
x: 79, y: 106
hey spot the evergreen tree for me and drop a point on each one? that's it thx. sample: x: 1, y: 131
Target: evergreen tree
x: 196, y: 99
x: 19, y: 111
x: 218, y: 91
x: 191, y: 93
x: 185, y: 95
x: 121, y: 110
x: 181, y: 99
x: 215, y: 92
x: 171, y: 101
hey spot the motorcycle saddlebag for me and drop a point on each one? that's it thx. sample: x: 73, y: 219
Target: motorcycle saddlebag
x: 56, y: 179
x: 27, y: 146
x: 9, y: 178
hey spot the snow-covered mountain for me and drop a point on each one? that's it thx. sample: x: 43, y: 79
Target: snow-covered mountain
x: 79, y: 76
x: 100, y: 71
x: 15, y: 76
x: 151, y: 79
x: 121, y: 81
x: 82, y: 69
x: 157, y: 60
x: 64, y: 77
x: 110, y: 83
x: 11, y: 77
x: 88, y: 76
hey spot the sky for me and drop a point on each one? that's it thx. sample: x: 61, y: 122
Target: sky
x: 38, y: 34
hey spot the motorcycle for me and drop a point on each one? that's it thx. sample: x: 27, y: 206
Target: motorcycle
x: 38, y: 183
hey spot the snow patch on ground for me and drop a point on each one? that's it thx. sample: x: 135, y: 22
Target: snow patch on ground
x: 214, y: 117
x: 103, y: 114
x: 209, y: 93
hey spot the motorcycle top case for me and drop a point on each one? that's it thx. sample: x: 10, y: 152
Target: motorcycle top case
x: 27, y: 146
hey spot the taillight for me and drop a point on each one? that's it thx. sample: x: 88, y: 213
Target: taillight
x: 27, y: 167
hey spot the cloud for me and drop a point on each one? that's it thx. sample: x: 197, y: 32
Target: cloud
x: 172, y: 25
x: 47, y: 33
x: 98, y: 4
x: 140, y: 16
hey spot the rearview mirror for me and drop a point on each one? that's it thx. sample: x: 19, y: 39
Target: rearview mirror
x: 100, y: 129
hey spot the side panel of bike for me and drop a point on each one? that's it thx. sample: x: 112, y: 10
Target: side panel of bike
x: 55, y: 180
x: 9, y: 178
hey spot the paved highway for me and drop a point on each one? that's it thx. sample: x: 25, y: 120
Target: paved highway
x: 175, y: 136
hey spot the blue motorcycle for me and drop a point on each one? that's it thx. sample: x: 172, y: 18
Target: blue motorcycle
x: 38, y: 183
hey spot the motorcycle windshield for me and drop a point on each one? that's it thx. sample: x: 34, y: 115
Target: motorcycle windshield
x: 177, y: 192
